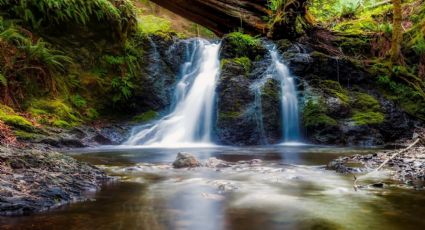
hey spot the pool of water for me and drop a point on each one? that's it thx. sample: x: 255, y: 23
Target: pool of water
x: 289, y: 189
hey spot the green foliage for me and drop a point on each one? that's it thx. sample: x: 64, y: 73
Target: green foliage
x: 314, y: 115
x: 408, y: 98
x: 78, y: 101
x: 368, y: 118
x: 274, y: 5
x: 48, y: 12
x: 123, y: 87
x: 91, y: 114
x: 146, y: 116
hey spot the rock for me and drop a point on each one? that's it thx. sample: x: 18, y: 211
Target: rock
x: 186, y: 160
x: 37, y: 180
x: 216, y: 163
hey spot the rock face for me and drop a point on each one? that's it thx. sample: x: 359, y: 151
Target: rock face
x: 186, y: 160
x: 342, y: 104
x: 162, y: 59
x: 246, y: 115
x: 37, y: 180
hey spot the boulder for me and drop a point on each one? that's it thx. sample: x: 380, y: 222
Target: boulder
x: 186, y: 160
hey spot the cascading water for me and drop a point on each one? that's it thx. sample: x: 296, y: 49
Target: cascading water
x: 289, y: 100
x: 190, y: 122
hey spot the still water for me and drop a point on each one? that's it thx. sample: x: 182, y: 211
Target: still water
x: 289, y: 189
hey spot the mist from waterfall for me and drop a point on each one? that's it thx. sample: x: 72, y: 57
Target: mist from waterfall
x: 191, y: 121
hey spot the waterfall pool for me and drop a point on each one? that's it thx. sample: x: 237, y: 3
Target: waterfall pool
x: 288, y: 189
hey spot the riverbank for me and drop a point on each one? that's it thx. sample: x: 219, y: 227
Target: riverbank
x: 34, y: 180
x: 406, y: 166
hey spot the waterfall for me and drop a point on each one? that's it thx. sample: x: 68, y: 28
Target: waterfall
x: 289, y: 98
x: 191, y: 120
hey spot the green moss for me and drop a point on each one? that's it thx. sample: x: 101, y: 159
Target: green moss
x: 229, y: 115
x: 314, y: 115
x: 245, y: 62
x: 146, y: 116
x: 365, y: 102
x: 9, y: 117
x: 151, y: 24
x: 62, y: 124
x: 242, y: 43
x: 335, y: 89
x: 55, y: 112
x: 368, y: 118
x: 22, y: 135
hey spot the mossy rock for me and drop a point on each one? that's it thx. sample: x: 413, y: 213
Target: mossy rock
x: 335, y: 89
x: 365, y: 102
x: 236, y: 45
x: 26, y: 136
x: 244, y: 62
x: 368, y: 118
x: 314, y: 115
x: 229, y: 115
x: 146, y: 116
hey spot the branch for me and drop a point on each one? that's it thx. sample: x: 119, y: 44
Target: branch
x: 397, y: 153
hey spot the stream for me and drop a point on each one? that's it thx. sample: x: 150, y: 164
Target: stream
x: 288, y: 189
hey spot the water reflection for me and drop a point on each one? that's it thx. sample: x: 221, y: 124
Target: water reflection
x: 289, y: 190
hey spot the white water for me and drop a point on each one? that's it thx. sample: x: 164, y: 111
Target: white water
x: 190, y: 123
x: 289, y: 100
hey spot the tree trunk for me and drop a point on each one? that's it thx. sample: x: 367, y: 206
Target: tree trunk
x: 397, y: 37
x: 224, y: 16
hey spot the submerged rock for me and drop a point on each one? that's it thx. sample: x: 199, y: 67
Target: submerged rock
x: 186, y: 160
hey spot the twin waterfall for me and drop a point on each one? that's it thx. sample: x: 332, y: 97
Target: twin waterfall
x: 191, y: 121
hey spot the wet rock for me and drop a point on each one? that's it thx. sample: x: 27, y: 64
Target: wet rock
x: 186, y: 160
x: 36, y: 180
x: 407, y: 168
x: 216, y: 163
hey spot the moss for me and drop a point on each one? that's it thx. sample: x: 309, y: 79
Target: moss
x: 368, y: 118
x: 62, y: 124
x: 9, y: 117
x: 151, y: 24
x: 242, y: 43
x: 365, y: 102
x: 22, y: 135
x: 314, y: 115
x: 17, y: 121
x: 245, y: 62
x: 55, y: 112
x: 229, y: 115
x: 335, y: 89
x: 146, y: 116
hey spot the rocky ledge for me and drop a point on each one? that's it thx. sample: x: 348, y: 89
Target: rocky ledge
x: 37, y: 180
x: 407, y: 168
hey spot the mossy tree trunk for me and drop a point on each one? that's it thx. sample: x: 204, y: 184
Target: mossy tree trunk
x: 253, y: 16
x: 397, y: 36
